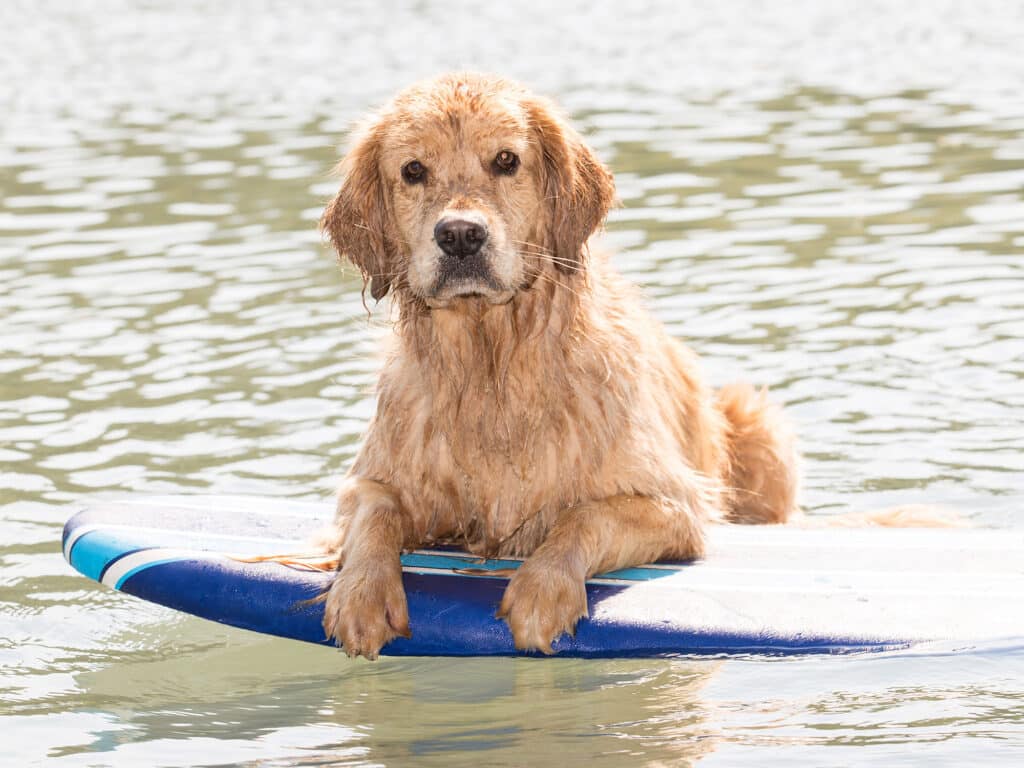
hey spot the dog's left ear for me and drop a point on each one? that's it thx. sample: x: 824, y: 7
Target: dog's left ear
x: 578, y: 189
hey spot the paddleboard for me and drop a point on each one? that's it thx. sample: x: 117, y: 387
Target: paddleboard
x: 772, y: 590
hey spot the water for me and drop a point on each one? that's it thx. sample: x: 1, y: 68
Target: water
x: 822, y: 197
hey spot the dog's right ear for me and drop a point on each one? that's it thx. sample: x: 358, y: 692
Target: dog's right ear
x: 358, y: 219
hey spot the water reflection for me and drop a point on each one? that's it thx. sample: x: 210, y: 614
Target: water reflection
x: 230, y: 696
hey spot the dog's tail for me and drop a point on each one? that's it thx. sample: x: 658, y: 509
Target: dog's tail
x: 763, y: 474
x: 905, y: 516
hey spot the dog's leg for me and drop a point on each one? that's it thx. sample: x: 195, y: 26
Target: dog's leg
x: 547, y: 595
x: 365, y: 607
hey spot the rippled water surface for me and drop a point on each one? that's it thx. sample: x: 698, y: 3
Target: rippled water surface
x: 822, y: 197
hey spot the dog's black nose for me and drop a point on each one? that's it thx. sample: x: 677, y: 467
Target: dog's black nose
x: 461, y: 238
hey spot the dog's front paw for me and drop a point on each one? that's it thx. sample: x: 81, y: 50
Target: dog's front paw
x: 366, y: 608
x: 541, y: 602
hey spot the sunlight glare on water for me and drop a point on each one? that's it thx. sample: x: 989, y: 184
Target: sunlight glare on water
x: 825, y: 198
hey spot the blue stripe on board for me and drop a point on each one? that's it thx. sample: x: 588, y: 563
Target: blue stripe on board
x: 450, y: 562
x: 96, y: 550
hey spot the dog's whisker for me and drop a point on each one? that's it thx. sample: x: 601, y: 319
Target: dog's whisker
x: 550, y: 280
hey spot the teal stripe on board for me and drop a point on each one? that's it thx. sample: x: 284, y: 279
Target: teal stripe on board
x: 638, y: 574
x: 450, y: 562
x: 94, y: 550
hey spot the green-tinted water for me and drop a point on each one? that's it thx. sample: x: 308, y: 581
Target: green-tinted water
x: 822, y: 197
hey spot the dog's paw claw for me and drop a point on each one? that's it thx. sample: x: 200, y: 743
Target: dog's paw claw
x: 362, y: 614
x: 540, y: 605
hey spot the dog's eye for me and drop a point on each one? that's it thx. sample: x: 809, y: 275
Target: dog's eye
x: 506, y: 162
x: 414, y: 172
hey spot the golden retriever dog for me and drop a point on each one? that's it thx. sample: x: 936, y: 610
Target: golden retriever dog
x: 529, y: 407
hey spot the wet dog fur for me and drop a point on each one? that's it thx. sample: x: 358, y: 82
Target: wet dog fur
x: 529, y: 405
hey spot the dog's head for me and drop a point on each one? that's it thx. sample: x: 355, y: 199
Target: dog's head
x: 466, y: 186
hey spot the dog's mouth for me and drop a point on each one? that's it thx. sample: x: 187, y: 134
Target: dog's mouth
x: 469, y: 278
x: 454, y: 293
